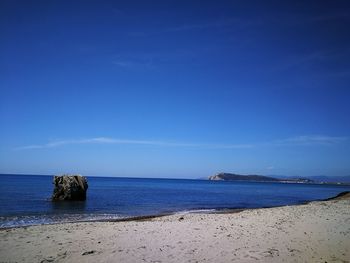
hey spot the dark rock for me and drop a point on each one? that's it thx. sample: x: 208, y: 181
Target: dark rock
x: 88, y: 252
x: 69, y: 187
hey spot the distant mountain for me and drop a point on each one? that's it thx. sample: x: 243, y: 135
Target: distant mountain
x: 238, y: 177
x: 256, y: 178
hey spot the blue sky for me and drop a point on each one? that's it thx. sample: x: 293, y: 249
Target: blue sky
x: 175, y: 88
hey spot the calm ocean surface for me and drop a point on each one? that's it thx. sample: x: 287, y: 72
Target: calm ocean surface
x: 24, y: 199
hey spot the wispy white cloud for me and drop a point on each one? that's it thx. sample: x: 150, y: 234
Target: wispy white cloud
x: 306, y: 61
x: 157, y: 59
x: 310, y: 140
x: 123, y: 63
x: 105, y: 140
x: 292, y: 141
x: 134, y: 62
x: 213, y: 24
x: 303, y: 61
x: 237, y: 23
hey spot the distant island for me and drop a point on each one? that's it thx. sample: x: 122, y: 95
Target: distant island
x: 256, y: 178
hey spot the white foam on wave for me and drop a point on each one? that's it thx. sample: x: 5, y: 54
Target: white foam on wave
x: 29, y: 220
x: 194, y: 211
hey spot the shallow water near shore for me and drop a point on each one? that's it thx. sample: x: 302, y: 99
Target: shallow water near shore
x: 25, y: 199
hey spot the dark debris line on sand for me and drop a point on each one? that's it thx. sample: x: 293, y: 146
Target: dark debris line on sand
x: 88, y: 252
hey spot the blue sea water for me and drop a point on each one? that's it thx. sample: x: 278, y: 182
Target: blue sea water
x: 25, y: 199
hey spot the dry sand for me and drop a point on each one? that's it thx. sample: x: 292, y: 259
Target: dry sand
x: 315, y: 232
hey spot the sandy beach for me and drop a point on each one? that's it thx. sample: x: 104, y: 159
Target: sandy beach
x: 314, y: 232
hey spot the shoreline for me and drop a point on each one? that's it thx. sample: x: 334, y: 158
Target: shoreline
x: 141, y: 218
x: 153, y: 216
x: 318, y: 231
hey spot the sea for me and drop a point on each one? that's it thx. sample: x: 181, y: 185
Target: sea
x: 25, y: 199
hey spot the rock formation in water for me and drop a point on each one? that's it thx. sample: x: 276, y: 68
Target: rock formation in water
x: 69, y: 187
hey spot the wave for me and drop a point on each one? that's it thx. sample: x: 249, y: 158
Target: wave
x: 30, y: 220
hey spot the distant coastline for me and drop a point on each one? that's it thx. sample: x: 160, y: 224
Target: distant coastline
x: 263, y: 178
x: 318, y: 180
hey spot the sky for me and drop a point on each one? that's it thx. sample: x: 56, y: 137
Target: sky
x: 181, y: 89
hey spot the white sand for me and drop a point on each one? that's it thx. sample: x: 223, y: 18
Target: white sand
x: 316, y: 232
